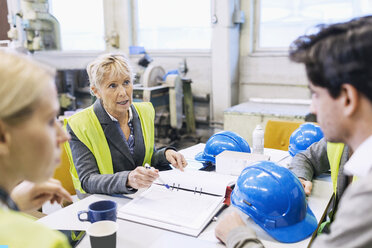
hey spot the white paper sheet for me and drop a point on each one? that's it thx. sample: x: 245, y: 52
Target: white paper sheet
x: 198, y: 181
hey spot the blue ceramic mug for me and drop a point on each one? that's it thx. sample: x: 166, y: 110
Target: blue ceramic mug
x: 100, y: 210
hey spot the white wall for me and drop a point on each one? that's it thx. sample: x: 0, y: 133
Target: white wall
x: 225, y: 58
x: 271, y: 77
x: 265, y: 74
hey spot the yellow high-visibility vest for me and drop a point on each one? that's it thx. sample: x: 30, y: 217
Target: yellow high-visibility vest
x: 87, y: 128
x: 19, y: 231
x: 334, y: 153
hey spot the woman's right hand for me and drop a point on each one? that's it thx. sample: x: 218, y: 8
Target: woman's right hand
x: 31, y: 196
x: 142, y: 177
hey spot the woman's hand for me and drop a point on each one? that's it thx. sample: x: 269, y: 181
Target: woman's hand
x: 31, y: 196
x: 227, y: 223
x: 142, y: 177
x: 176, y: 159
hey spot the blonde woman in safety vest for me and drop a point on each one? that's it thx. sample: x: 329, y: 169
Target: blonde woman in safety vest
x: 113, y: 139
x: 30, y: 140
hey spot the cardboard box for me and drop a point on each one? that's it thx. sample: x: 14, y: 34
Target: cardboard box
x: 232, y: 163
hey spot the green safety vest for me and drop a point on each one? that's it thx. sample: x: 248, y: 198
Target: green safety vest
x: 18, y: 231
x: 88, y: 130
x: 334, y: 153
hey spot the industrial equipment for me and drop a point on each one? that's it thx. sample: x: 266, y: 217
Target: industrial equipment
x: 32, y: 26
x: 166, y: 97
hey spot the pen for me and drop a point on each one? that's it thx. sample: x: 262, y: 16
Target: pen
x: 147, y: 166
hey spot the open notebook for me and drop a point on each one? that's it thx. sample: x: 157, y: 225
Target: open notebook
x: 195, y: 197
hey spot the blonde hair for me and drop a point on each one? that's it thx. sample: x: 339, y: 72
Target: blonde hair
x: 21, y: 83
x: 108, y: 66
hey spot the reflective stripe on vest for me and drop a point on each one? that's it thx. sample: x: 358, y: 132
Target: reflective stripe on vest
x: 88, y: 130
x: 146, y: 114
x: 334, y: 153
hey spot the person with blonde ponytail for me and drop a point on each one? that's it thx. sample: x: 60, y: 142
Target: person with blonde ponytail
x: 30, y: 139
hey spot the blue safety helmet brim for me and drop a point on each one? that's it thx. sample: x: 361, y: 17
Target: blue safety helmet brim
x: 293, y: 151
x: 202, y: 157
x: 289, y: 234
x: 296, y: 232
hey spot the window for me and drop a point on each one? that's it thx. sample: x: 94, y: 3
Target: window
x: 282, y: 21
x: 174, y: 24
x: 81, y: 23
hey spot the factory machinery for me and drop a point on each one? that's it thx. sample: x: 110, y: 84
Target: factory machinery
x: 32, y: 26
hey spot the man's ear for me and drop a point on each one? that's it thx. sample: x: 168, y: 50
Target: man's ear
x: 4, y: 139
x: 95, y: 91
x: 351, y: 98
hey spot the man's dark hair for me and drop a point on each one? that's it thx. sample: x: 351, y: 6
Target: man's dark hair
x: 338, y: 54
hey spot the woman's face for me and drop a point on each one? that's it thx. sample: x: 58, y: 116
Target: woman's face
x: 35, y: 143
x: 116, y: 94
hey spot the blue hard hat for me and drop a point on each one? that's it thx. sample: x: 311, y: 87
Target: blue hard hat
x: 303, y: 137
x: 221, y: 141
x: 275, y: 199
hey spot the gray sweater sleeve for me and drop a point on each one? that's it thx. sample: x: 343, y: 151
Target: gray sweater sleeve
x: 312, y: 162
x: 91, y: 180
x: 353, y: 220
x: 243, y: 237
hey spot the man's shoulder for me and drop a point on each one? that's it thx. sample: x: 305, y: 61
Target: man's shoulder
x: 351, y: 227
x: 362, y: 184
x: 358, y: 194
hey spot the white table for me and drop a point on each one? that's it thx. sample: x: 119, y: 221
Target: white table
x: 132, y: 234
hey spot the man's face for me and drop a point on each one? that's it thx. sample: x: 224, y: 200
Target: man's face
x: 329, y: 113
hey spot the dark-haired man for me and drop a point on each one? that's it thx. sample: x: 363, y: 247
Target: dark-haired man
x: 338, y: 63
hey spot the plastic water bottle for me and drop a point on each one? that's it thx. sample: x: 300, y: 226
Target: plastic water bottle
x: 258, y: 140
